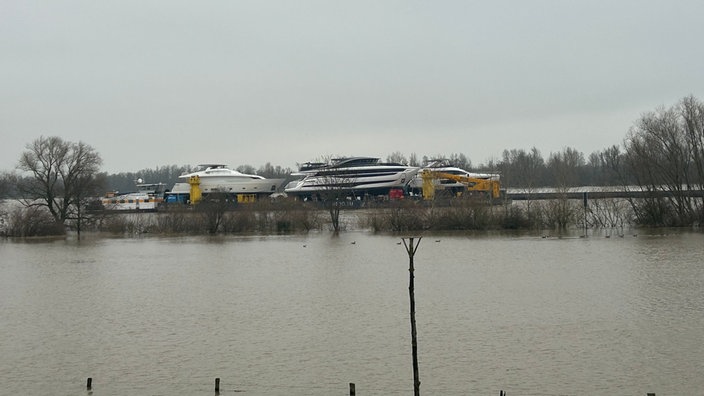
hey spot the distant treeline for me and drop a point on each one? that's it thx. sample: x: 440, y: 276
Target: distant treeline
x: 519, y: 168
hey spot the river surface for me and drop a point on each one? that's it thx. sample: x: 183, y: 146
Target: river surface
x: 309, y: 314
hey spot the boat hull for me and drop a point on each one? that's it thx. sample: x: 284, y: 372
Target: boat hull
x: 354, y: 181
x: 148, y: 198
x: 223, y: 185
x: 132, y: 202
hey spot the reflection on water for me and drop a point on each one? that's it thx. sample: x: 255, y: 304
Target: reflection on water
x: 306, y: 315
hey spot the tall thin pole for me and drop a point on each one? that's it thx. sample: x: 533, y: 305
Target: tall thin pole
x: 411, y: 249
x: 586, y: 204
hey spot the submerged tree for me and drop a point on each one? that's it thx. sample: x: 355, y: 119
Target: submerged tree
x: 334, y: 194
x: 524, y: 171
x: 665, y: 153
x: 212, y: 208
x: 334, y: 190
x: 62, y: 177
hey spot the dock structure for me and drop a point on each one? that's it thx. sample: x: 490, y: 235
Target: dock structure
x: 596, y: 194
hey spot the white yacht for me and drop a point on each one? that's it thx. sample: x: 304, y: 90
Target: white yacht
x: 217, y: 178
x: 357, y: 176
x: 147, y: 198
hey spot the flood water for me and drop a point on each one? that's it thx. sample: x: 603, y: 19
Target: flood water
x: 307, y: 315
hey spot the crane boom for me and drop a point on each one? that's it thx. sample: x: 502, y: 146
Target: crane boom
x: 489, y: 186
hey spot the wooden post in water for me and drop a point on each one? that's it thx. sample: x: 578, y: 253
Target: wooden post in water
x: 217, y: 385
x: 586, y: 205
x: 411, y: 249
x: 89, y: 383
x: 352, y: 391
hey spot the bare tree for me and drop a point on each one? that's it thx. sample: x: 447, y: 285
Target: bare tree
x: 460, y: 160
x: 270, y: 171
x: 334, y: 195
x: 612, y: 166
x: 413, y: 160
x: 396, y: 157
x: 524, y: 171
x: 212, y: 208
x: 692, y: 113
x: 334, y: 189
x: 565, y: 167
x: 248, y: 169
x: 62, y: 175
x: 5, y: 185
x: 664, y: 153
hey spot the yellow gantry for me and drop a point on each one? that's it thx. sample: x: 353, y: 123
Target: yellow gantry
x: 196, y: 194
x: 490, y: 187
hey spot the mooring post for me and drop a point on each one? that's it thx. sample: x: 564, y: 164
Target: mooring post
x: 217, y: 385
x: 586, y: 205
x: 89, y: 383
x: 651, y: 394
x: 411, y: 249
x: 352, y: 391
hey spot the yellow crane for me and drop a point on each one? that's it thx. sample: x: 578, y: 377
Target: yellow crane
x: 491, y: 187
x: 196, y: 194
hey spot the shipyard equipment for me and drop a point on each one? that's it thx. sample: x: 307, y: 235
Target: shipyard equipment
x: 491, y: 187
x: 196, y: 194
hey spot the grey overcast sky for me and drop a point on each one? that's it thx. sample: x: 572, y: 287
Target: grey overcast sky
x: 151, y: 83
